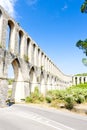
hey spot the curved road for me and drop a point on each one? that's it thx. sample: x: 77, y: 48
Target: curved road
x: 30, y: 117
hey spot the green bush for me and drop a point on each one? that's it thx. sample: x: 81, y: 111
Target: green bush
x: 80, y: 99
x: 35, y: 97
x: 48, y: 99
x: 69, y: 102
x: 28, y: 100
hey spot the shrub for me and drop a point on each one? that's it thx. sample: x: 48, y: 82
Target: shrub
x: 35, y: 97
x: 28, y: 100
x: 80, y: 99
x: 48, y: 99
x: 69, y: 102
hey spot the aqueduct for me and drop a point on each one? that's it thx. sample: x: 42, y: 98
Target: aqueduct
x: 32, y: 67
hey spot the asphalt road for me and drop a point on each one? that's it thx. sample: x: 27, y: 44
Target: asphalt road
x: 29, y: 117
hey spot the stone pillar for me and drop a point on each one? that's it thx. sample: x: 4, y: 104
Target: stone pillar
x: 26, y: 46
x: 78, y: 80
x: 45, y: 62
x: 4, y: 31
x: 48, y: 64
x: 3, y: 80
x: 16, y: 44
x: 86, y: 79
x: 74, y: 80
x: 19, y: 90
x: 1, y: 26
x: 3, y: 91
x: 82, y: 79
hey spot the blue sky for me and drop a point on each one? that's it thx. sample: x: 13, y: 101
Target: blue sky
x: 56, y: 26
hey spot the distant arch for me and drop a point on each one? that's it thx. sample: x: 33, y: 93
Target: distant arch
x: 32, y: 79
x: 76, y: 80
x: 79, y: 80
x: 84, y: 80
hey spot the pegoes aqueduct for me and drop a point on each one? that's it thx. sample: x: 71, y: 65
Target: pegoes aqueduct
x: 32, y: 67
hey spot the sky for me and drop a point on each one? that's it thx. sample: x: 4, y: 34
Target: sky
x: 56, y: 26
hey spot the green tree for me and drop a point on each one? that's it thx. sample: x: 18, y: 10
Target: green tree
x: 84, y: 7
x: 82, y: 45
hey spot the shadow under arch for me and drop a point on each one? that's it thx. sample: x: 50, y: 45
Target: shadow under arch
x: 42, y: 83
x: 32, y: 79
x: 48, y: 82
x: 10, y: 36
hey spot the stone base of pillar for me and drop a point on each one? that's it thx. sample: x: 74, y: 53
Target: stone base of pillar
x: 19, y: 91
x: 3, y: 92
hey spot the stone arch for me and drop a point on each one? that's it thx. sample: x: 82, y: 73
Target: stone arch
x: 55, y: 82
x: 18, y: 84
x: 42, y: 83
x: 10, y: 35
x: 76, y: 80
x: 32, y: 80
x: 84, y: 80
x: 80, y: 80
x: 49, y: 85
x: 52, y: 82
x: 28, y: 47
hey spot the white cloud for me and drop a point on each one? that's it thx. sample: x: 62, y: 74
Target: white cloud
x: 8, y: 5
x: 32, y: 2
x: 65, y: 7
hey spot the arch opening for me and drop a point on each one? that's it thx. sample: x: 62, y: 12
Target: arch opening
x: 80, y: 80
x: 17, y: 86
x: 84, y: 80
x: 42, y: 83
x: 20, y: 37
x: 28, y: 45
x: 32, y: 80
x: 76, y: 80
x: 9, y: 35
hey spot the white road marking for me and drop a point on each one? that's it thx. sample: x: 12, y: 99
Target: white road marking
x: 43, y: 120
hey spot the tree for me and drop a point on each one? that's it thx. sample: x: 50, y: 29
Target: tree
x: 82, y: 45
x: 84, y: 7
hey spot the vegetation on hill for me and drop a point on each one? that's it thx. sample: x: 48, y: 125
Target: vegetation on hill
x: 83, y: 74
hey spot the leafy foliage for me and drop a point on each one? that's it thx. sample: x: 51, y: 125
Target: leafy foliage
x: 82, y: 45
x: 10, y: 81
x: 83, y: 74
x: 70, y: 96
x: 84, y: 7
x: 35, y: 97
